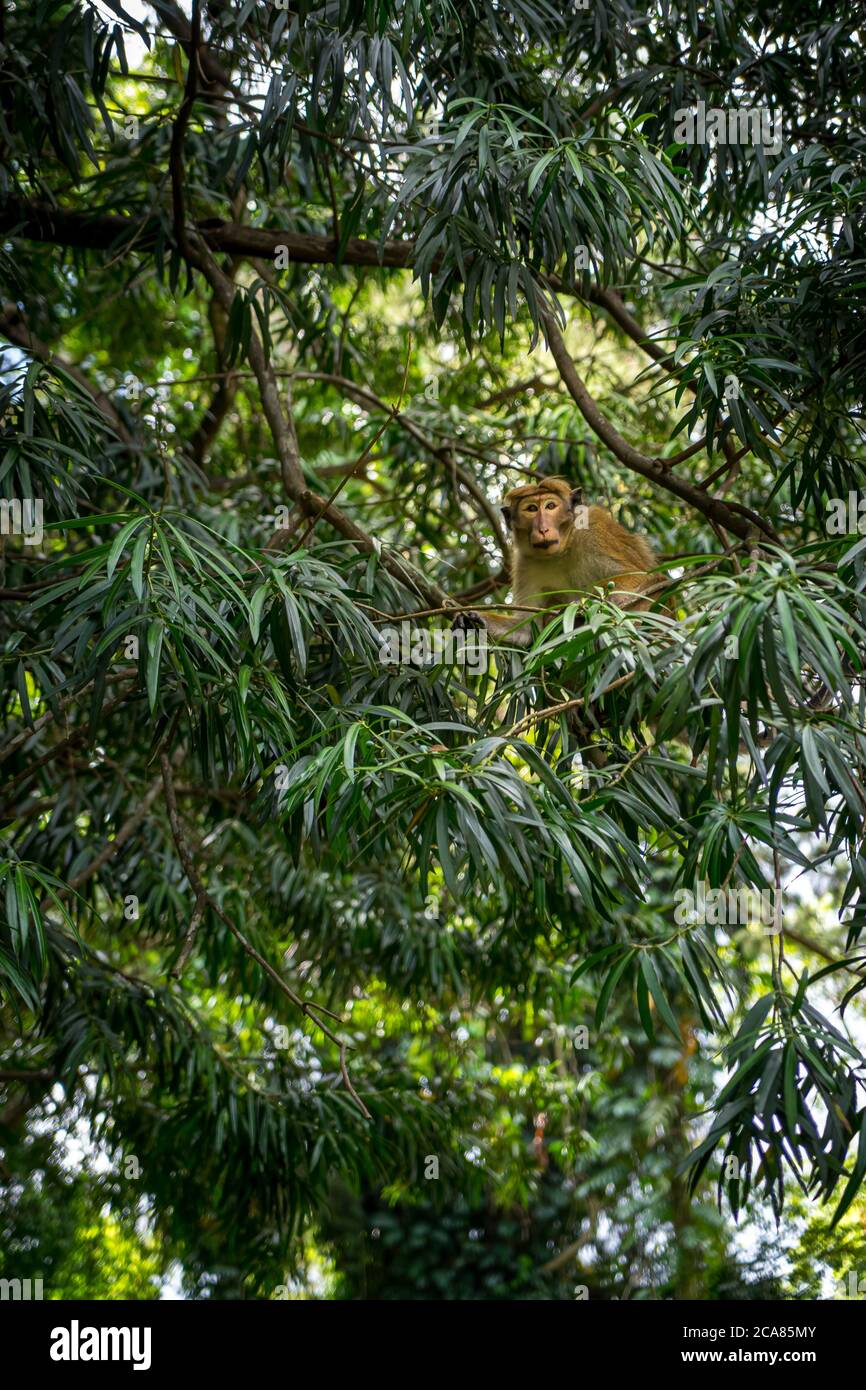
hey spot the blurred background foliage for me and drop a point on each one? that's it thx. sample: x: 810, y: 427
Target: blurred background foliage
x: 333, y: 257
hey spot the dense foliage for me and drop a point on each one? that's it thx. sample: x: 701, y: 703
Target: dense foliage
x: 324, y: 966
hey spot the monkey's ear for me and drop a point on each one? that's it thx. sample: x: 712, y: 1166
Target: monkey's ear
x: 577, y: 497
x: 506, y: 515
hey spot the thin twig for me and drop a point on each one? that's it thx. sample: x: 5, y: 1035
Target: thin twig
x: 189, y: 939
x: 393, y: 413
x: 552, y: 710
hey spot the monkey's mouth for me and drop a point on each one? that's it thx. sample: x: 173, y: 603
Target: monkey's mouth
x: 545, y: 545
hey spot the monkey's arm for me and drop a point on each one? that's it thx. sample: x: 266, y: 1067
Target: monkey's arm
x: 510, y: 631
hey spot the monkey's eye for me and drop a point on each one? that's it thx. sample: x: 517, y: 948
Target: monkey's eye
x: 531, y: 507
x: 550, y: 506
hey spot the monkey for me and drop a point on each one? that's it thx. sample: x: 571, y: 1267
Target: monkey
x: 561, y: 549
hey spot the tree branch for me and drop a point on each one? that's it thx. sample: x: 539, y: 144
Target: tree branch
x: 613, y: 304
x: 101, y: 231
x: 13, y: 326
x: 208, y: 427
x: 363, y: 396
x: 740, y: 521
x: 50, y: 714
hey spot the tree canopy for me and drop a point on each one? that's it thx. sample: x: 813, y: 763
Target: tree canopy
x: 327, y: 953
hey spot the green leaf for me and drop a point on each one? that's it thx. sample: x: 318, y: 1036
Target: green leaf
x: 137, y: 570
x: 155, y: 634
x: 608, y: 986
x: 654, y: 985
x: 119, y: 543
x: 853, y: 1185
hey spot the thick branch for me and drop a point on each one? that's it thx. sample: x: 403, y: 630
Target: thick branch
x: 99, y: 231
x: 740, y: 521
x: 611, y: 302
x: 44, y: 1074
x: 41, y: 223
x: 206, y: 61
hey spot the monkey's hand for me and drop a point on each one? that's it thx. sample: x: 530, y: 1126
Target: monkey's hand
x: 505, y: 630
x: 468, y: 621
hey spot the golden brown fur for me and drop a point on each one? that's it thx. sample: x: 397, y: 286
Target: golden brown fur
x: 561, y: 549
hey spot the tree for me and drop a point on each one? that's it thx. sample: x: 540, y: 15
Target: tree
x: 291, y: 296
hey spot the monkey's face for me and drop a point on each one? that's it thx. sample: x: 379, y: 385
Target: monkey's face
x: 541, y: 524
